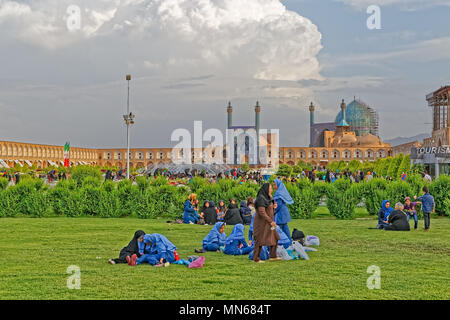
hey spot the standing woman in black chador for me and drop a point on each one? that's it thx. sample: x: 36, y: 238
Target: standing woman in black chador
x: 130, y: 249
x: 264, y: 226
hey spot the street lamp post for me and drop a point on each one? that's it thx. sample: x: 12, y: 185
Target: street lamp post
x: 129, y: 120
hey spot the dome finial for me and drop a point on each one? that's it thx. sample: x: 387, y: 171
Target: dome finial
x: 343, y: 105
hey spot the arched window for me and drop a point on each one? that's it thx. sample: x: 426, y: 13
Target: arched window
x: 335, y: 154
x: 381, y: 154
x: 369, y: 153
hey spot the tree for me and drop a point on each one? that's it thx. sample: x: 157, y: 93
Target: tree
x: 354, y: 166
x: 405, y: 166
x: 284, y: 170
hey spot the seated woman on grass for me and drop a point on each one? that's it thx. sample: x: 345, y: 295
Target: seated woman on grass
x: 161, y: 251
x: 209, y: 212
x: 383, y: 214
x: 215, y: 239
x: 232, y: 216
x: 130, y: 249
x: 398, y: 221
x: 236, y: 244
x: 189, y: 214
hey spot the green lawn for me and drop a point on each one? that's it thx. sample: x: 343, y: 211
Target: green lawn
x: 35, y: 254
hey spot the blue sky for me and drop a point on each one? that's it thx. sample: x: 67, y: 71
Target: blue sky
x: 188, y: 58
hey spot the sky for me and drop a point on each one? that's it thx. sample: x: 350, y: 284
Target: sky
x: 63, y: 71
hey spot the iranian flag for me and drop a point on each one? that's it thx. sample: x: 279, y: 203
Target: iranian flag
x: 66, y: 154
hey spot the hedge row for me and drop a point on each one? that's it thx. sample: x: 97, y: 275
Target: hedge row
x: 89, y: 196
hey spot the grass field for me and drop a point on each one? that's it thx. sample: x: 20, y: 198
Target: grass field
x: 35, y: 254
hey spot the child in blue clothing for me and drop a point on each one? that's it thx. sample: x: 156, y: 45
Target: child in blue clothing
x: 428, y: 206
x: 157, y: 250
x: 215, y: 239
x: 236, y: 244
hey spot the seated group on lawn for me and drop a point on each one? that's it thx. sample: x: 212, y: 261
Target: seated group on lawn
x: 397, y: 219
x: 269, y: 236
x: 209, y: 214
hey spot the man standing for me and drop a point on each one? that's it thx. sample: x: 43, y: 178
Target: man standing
x: 428, y: 206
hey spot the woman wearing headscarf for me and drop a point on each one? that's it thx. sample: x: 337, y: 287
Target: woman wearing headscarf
x: 215, y: 239
x: 236, y: 244
x: 189, y: 215
x: 246, y: 213
x: 162, y: 252
x: 282, y: 245
x: 282, y: 199
x: 264, y: 227
x: 383, y: 214
x: 130, y: 249
x: 232, y: 216
x: 209, y: 213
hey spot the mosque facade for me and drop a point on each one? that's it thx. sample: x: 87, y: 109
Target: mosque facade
x: 347, y: 138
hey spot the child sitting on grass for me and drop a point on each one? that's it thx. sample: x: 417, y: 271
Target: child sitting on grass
x: 236, y: 244
x: 215, y: 239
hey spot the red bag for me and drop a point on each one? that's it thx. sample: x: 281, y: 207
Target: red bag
x: 177, y: 257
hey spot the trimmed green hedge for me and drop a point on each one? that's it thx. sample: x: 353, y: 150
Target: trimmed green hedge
x: 157, y: 198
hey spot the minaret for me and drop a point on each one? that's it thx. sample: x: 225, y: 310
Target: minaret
x: 311, y: 114
x: 311, y: 123
x: 343, y: 122
x: 257, y: 124
x: 257, y: 113
x: 230, y: 115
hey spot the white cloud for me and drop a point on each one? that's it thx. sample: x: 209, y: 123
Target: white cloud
x: 258, y: 38
x: 187, y: 59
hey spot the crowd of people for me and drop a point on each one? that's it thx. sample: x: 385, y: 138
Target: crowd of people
x: 269, y: 236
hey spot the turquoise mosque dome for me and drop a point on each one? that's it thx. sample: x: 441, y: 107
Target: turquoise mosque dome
x: 360, y: 117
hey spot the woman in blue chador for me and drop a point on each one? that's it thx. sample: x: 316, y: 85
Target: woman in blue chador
x: 383, y: 214
x: 236, y: 244
x: 189, y: 215
x: 282, y: 215
x: 157, y: 250
x: 216, y: 238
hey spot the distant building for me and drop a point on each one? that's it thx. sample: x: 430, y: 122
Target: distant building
x: 434, y: 153
x: 330, y: 142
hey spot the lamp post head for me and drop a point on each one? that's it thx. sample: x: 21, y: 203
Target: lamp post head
x: 128, y: 77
